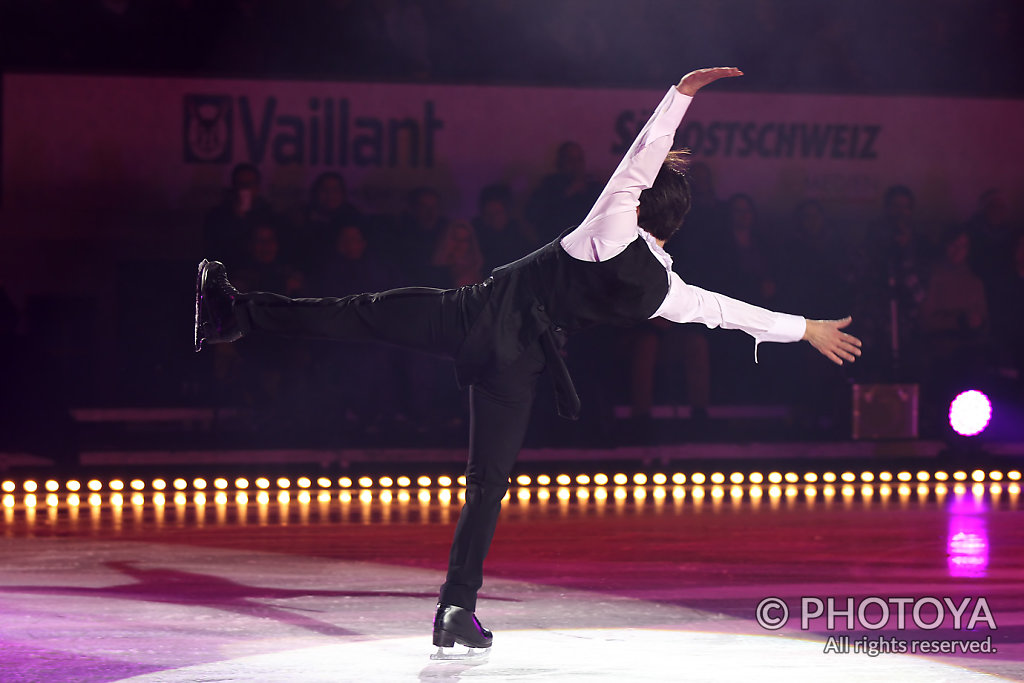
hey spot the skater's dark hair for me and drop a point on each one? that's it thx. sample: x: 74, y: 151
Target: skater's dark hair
x: 664, y: 205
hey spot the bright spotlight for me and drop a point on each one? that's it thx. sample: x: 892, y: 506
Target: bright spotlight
x: 970, y: 412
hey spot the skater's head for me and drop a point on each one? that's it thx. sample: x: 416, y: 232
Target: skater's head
x: 664, y: 205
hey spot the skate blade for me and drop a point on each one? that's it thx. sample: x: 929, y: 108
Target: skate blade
x: 461, y: 653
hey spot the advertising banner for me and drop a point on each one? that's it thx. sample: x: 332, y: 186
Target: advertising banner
x: 149, y: 144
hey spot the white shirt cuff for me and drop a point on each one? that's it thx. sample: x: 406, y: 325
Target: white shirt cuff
x: 786, y: 328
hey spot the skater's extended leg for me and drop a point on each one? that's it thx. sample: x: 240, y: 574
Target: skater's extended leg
x: 431, y: 320
x: 421, y: 318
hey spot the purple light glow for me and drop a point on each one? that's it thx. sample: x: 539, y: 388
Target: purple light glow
x: 967, y: 546
x: 970, y: 412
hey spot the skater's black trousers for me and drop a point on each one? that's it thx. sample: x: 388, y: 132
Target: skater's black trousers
x: 435, y: 321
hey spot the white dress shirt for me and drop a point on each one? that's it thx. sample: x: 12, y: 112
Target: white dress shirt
x: 611, y: 226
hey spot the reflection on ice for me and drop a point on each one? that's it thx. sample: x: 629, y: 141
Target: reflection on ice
x: 967, y: 540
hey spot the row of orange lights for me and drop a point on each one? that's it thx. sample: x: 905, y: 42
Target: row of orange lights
x: 600, y: 479
x: 524, y: 494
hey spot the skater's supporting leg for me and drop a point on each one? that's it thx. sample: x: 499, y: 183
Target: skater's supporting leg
x: 431, y: 320
x: 500, y: 406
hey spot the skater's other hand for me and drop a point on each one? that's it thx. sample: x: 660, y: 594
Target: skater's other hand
x: 829, y: 339
x: 695, y: 80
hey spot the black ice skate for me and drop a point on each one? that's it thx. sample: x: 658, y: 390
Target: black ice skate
x: 458, y: 625
x: 216, y: 322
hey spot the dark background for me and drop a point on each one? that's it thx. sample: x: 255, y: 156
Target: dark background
x: 939, y: 47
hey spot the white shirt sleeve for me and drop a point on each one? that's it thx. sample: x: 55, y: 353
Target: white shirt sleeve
x: 687, y: 303
x: 611, y: 224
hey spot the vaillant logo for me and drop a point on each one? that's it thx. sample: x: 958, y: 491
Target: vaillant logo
x: 208, y: 128
x: 322, y: 131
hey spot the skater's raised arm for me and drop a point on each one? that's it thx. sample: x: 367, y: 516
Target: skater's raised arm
x: 612, y: 222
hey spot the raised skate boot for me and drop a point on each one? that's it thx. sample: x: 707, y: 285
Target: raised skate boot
x: 458, y: 625
x: 216, y: 322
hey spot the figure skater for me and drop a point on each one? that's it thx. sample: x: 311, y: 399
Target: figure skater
x: 505, y: 331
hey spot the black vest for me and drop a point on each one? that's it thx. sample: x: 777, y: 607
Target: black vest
x: 547, y: 293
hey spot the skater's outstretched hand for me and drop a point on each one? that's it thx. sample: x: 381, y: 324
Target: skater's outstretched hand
x: 829, y: 339
x: 695, y: 80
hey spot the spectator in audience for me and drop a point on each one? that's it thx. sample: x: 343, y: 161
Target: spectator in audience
x: 705, y: 230
x: 428, y: 394
x: 352, y: 268
x: 227, y: 228
x: 358, y: 379
x: 273, y: 368
x: 954, y: 312
x: 991, y: 236
x: 263, y: 267
x: 659, y: 341
x: 749, y: 277
x: 1008, y: 312
x: 816, y: 278
x: 502, y: 238
x: 415, y: 237
x: 563, y: 198
x: 458, y: 254
x: 890, y: 279
x: 954, y: 327
x: 34, y: 412
x: 316, y: 225
x: 696, y: 249
x: 419, y: 234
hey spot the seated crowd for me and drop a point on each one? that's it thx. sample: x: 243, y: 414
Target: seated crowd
x: 942, y: 312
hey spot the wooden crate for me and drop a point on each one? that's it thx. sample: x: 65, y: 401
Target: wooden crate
x: 885, y: 411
